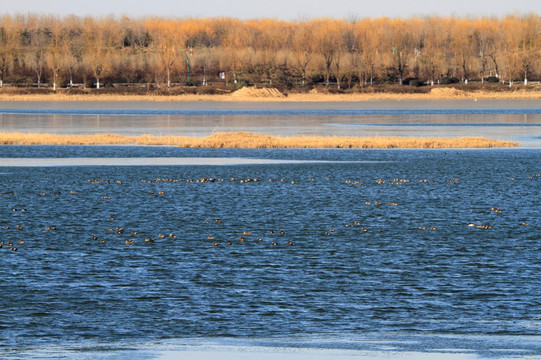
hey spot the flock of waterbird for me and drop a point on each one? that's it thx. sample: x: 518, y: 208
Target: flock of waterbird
x: 273, y: 236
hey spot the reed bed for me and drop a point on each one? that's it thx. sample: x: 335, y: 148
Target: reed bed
x: 246, y: 140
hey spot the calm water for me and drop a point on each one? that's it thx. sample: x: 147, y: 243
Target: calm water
x: 510, y: 120
x: 416, y: 278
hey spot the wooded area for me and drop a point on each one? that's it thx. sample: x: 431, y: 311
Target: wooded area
x: 156, y: 52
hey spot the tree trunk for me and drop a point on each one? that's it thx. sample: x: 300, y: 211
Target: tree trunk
x: 328, y: 63
x: 97, y: 83
x: 338, y: 76
x: 493, y: 57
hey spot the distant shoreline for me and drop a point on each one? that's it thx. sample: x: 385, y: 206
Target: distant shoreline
x: 436, y: 94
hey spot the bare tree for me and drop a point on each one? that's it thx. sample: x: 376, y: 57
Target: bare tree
x: 7, y: 46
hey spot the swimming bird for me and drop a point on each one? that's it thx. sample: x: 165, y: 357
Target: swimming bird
x: 484, y: 227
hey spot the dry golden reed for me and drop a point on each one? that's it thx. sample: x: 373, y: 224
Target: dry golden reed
x: 248, y: 140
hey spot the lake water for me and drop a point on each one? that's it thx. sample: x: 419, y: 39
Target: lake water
x: 384, y: 253
x: 510, y: 120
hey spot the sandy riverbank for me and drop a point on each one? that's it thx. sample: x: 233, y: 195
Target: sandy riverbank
x: 435, y: 94
x: 246, y: 140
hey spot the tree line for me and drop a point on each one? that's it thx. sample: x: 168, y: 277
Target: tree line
x: 62, y: 51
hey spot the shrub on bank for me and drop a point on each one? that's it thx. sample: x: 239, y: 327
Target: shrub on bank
x: 450, y: 80
x: 413, y: 82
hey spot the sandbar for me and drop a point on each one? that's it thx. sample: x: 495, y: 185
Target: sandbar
x: 292, y: 97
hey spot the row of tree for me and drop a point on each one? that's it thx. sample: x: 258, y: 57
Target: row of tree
x: 67, y: 50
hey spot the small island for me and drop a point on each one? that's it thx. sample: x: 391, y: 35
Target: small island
x: 246, y: 140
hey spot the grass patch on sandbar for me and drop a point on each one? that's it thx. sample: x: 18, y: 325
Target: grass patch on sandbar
x: 246, y: 140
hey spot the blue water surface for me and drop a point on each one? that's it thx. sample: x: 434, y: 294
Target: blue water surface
x: 414, y: 243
